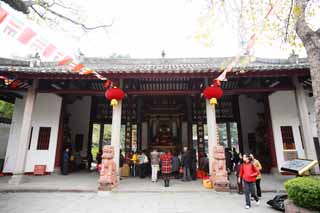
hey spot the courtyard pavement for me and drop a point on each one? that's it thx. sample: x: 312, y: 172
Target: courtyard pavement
x: 139, y: 202
x: 88, y: 182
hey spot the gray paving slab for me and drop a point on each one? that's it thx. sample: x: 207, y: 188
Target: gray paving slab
x: 161, y: 202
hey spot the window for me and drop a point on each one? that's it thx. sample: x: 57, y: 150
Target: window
x: 30, y: 138
x: 287, y: 137
x: 44, y: 138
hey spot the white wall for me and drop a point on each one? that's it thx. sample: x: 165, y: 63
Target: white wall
x: 284, y: 112
x: 312, y: 114
x: 46, y: 113
x: 10, y: 159
x: 4, y: 137
x: 79, y: 121
x: 249, y: 109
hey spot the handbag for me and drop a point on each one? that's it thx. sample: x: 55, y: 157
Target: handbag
x: 180, y: 170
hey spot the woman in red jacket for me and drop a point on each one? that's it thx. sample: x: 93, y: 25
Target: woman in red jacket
x: 165, y: 161
x: 248, y: 173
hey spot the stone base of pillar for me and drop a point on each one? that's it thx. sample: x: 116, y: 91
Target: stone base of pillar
x: 108, y: 173
x: 16, y: 179
x: 57, y: 170
x: 219, y: 175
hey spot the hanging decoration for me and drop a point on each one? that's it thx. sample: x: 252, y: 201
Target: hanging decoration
x: 114, y: 95
x: 250, y: 44
x: 213, y: 92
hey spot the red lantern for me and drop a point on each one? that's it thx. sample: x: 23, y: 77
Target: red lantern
x: 114, y: 95
x: 213, y: 93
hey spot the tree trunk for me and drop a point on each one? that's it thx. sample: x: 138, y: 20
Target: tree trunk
x: 311, y: 42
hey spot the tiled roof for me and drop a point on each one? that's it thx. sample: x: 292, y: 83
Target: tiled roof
x: 163, y: 65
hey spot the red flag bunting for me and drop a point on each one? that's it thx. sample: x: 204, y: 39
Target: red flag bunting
x: 66, y: 60
x: 107, y: 84
x: 78, y: 67
x: 3, y: 14
x: 26, y: 36
x: 49, y: 50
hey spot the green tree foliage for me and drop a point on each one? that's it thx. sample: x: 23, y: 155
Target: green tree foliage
x: 6, y: 109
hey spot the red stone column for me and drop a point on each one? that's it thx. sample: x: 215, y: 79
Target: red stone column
x: 57, y: 161
x: 270, y: 137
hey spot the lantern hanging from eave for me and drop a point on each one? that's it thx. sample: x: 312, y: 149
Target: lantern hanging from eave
x: 114, y: 95
x: 213, y: 92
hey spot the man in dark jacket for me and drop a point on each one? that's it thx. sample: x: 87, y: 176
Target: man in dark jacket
x: 186, y: 164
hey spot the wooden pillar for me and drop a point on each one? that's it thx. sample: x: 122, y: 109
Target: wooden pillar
x: 307, y: 138
x: 60, y: 145
x: 115, y: 132
x: 229, y: 135
x: 101, y: 136
x: 212, y: 132
x: 21, y: 153
x: 139, y: 124
x: 189, y: 122
x: 270, y: 137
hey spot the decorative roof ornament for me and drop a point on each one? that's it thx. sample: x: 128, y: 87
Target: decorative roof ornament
x: 293, y: 58
x: 163, y: 54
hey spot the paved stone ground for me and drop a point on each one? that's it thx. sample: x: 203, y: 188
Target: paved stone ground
x: 88, y: 182
x: 123, y: 202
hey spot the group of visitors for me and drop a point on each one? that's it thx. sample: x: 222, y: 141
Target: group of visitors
x: 166, y: 164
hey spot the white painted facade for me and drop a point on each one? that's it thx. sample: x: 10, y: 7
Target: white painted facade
x: 79, y: 121
x: 284, y: 112
x: 46, y: 113
x: 312, y: 114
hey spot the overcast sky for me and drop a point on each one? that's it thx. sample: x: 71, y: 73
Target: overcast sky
x: 142, y: 29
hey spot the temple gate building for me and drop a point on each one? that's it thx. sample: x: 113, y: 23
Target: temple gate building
x: 267, y: 109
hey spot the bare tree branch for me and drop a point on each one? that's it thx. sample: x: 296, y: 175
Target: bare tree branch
x: 288, y: 21
x: 46, y: 7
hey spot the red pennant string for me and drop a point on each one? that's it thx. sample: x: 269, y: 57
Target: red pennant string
x: 66, y: 60
x: 78, y: 67
x: 87, y: 72
x: 107, y: 84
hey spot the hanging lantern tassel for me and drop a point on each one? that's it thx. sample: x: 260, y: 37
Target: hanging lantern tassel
x: 114, y: 102
x: 213, y: 101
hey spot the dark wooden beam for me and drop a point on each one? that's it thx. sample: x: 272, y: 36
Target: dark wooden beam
x: 167, y: 92
x: 138, y: 75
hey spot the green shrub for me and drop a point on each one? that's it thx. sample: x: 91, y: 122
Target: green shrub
x: 304, y: 191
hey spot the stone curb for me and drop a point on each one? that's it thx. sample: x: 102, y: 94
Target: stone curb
x: 119, y: 191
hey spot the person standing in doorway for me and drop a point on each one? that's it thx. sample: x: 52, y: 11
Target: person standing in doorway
x: 121, y: 162
x: 155, y: 160
x: 258, y: 179
x: 237, y: 173
x: 186, y: 164
x: 175, y: 165
x: 65, y: 162
x: 249, y: 173
x: 135, y: 161
x: 165, y: 160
